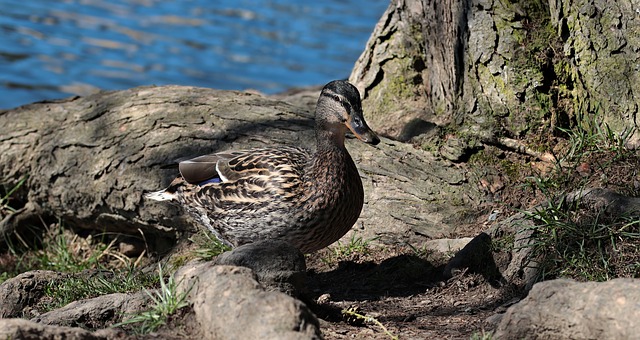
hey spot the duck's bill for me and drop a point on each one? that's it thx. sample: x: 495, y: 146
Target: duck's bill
x: 362, y: 131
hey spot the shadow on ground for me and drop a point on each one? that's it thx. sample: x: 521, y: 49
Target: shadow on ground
x: 402, y: 275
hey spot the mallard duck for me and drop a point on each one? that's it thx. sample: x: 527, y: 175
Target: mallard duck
x: 309, y: 199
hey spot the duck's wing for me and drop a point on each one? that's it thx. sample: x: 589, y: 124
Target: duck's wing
x: 203, y: 168
x: 231, y: 166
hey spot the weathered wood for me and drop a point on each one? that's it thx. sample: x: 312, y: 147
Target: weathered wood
x: 89, y: 160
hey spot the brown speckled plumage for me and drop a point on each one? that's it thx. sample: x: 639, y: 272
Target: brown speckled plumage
x: 288, y: 193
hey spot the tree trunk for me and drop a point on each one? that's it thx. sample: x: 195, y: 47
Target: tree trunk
x: 601, y: 41
x: 412, y: 64
x: 488, y: 69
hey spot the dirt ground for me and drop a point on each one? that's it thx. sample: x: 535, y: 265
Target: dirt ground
x: 401, y: 287
x: 405, y: 292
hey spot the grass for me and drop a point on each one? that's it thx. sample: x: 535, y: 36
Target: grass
x: 355, y: 247
x: 594, y: 137
x: 53, y: 247
x: 76, y: 288
x: 585, y: 245
x: 423, y: 251
x: 481, y: 335
x: 5, y: 200
x: 167, y: 301
x: 98, y: 269
x: 208, y: 246
x: 571, y: 240
x: 59, y: 249
x: 64, y: 251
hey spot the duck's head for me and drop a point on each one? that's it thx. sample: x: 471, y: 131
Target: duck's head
x: 339, y: 108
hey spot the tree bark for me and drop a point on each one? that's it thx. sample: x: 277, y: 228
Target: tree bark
x: 490, y: 69
x: 412, y: 64
x: 90, y: 160
x: 601, y: 44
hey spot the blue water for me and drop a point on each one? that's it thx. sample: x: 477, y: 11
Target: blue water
x: 54, y: 49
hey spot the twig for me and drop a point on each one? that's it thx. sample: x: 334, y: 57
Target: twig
x: 519, y: 147
x: 352, y: 312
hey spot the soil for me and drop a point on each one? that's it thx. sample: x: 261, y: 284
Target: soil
x: 403, y: 291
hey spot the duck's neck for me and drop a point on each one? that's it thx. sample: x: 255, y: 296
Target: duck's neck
x: 332, y: 182
x: 331, y: 162
x: 330, y: 140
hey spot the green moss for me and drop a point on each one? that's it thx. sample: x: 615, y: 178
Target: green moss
x: 503, y: 244
x: 480, y: 159
x: 541, y: 79
x: 456, y: 201
x: 511, y: 169
x: 180, y: 260
x: 398, y: 88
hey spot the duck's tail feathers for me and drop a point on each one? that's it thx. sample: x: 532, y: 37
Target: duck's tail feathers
x: 162, y: 195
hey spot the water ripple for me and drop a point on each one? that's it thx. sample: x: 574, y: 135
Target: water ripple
x: 51, y: 49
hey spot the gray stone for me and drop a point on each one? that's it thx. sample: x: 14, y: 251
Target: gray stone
x: 97, y: 312
x: 277, y: 264
x: 475, y: 256
x: 29, y: 330
x: 566, y: 309
x: 445, y: 245
x: 230, y: 304
x: 600, y: 199
x: 24, y: 290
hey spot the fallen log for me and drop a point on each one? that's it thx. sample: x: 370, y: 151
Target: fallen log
x: 88, y: 161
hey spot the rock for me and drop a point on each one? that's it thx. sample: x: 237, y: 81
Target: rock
x: 188, y: 275
x: 24, y: 290
x: 230, y: 304
x: 25, y: 329
x: 97, y: 312
x: 504, y: 253
x: 566, y: 309
x: 445, y: 245
x: 492, y: 321
x: 131, y: 247
x: 277, y: 264
x: 600, y: 199
x: 454, y: 149
x: 476, y: 256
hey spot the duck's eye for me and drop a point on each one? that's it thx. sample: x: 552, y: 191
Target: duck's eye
x: 335, y: 97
